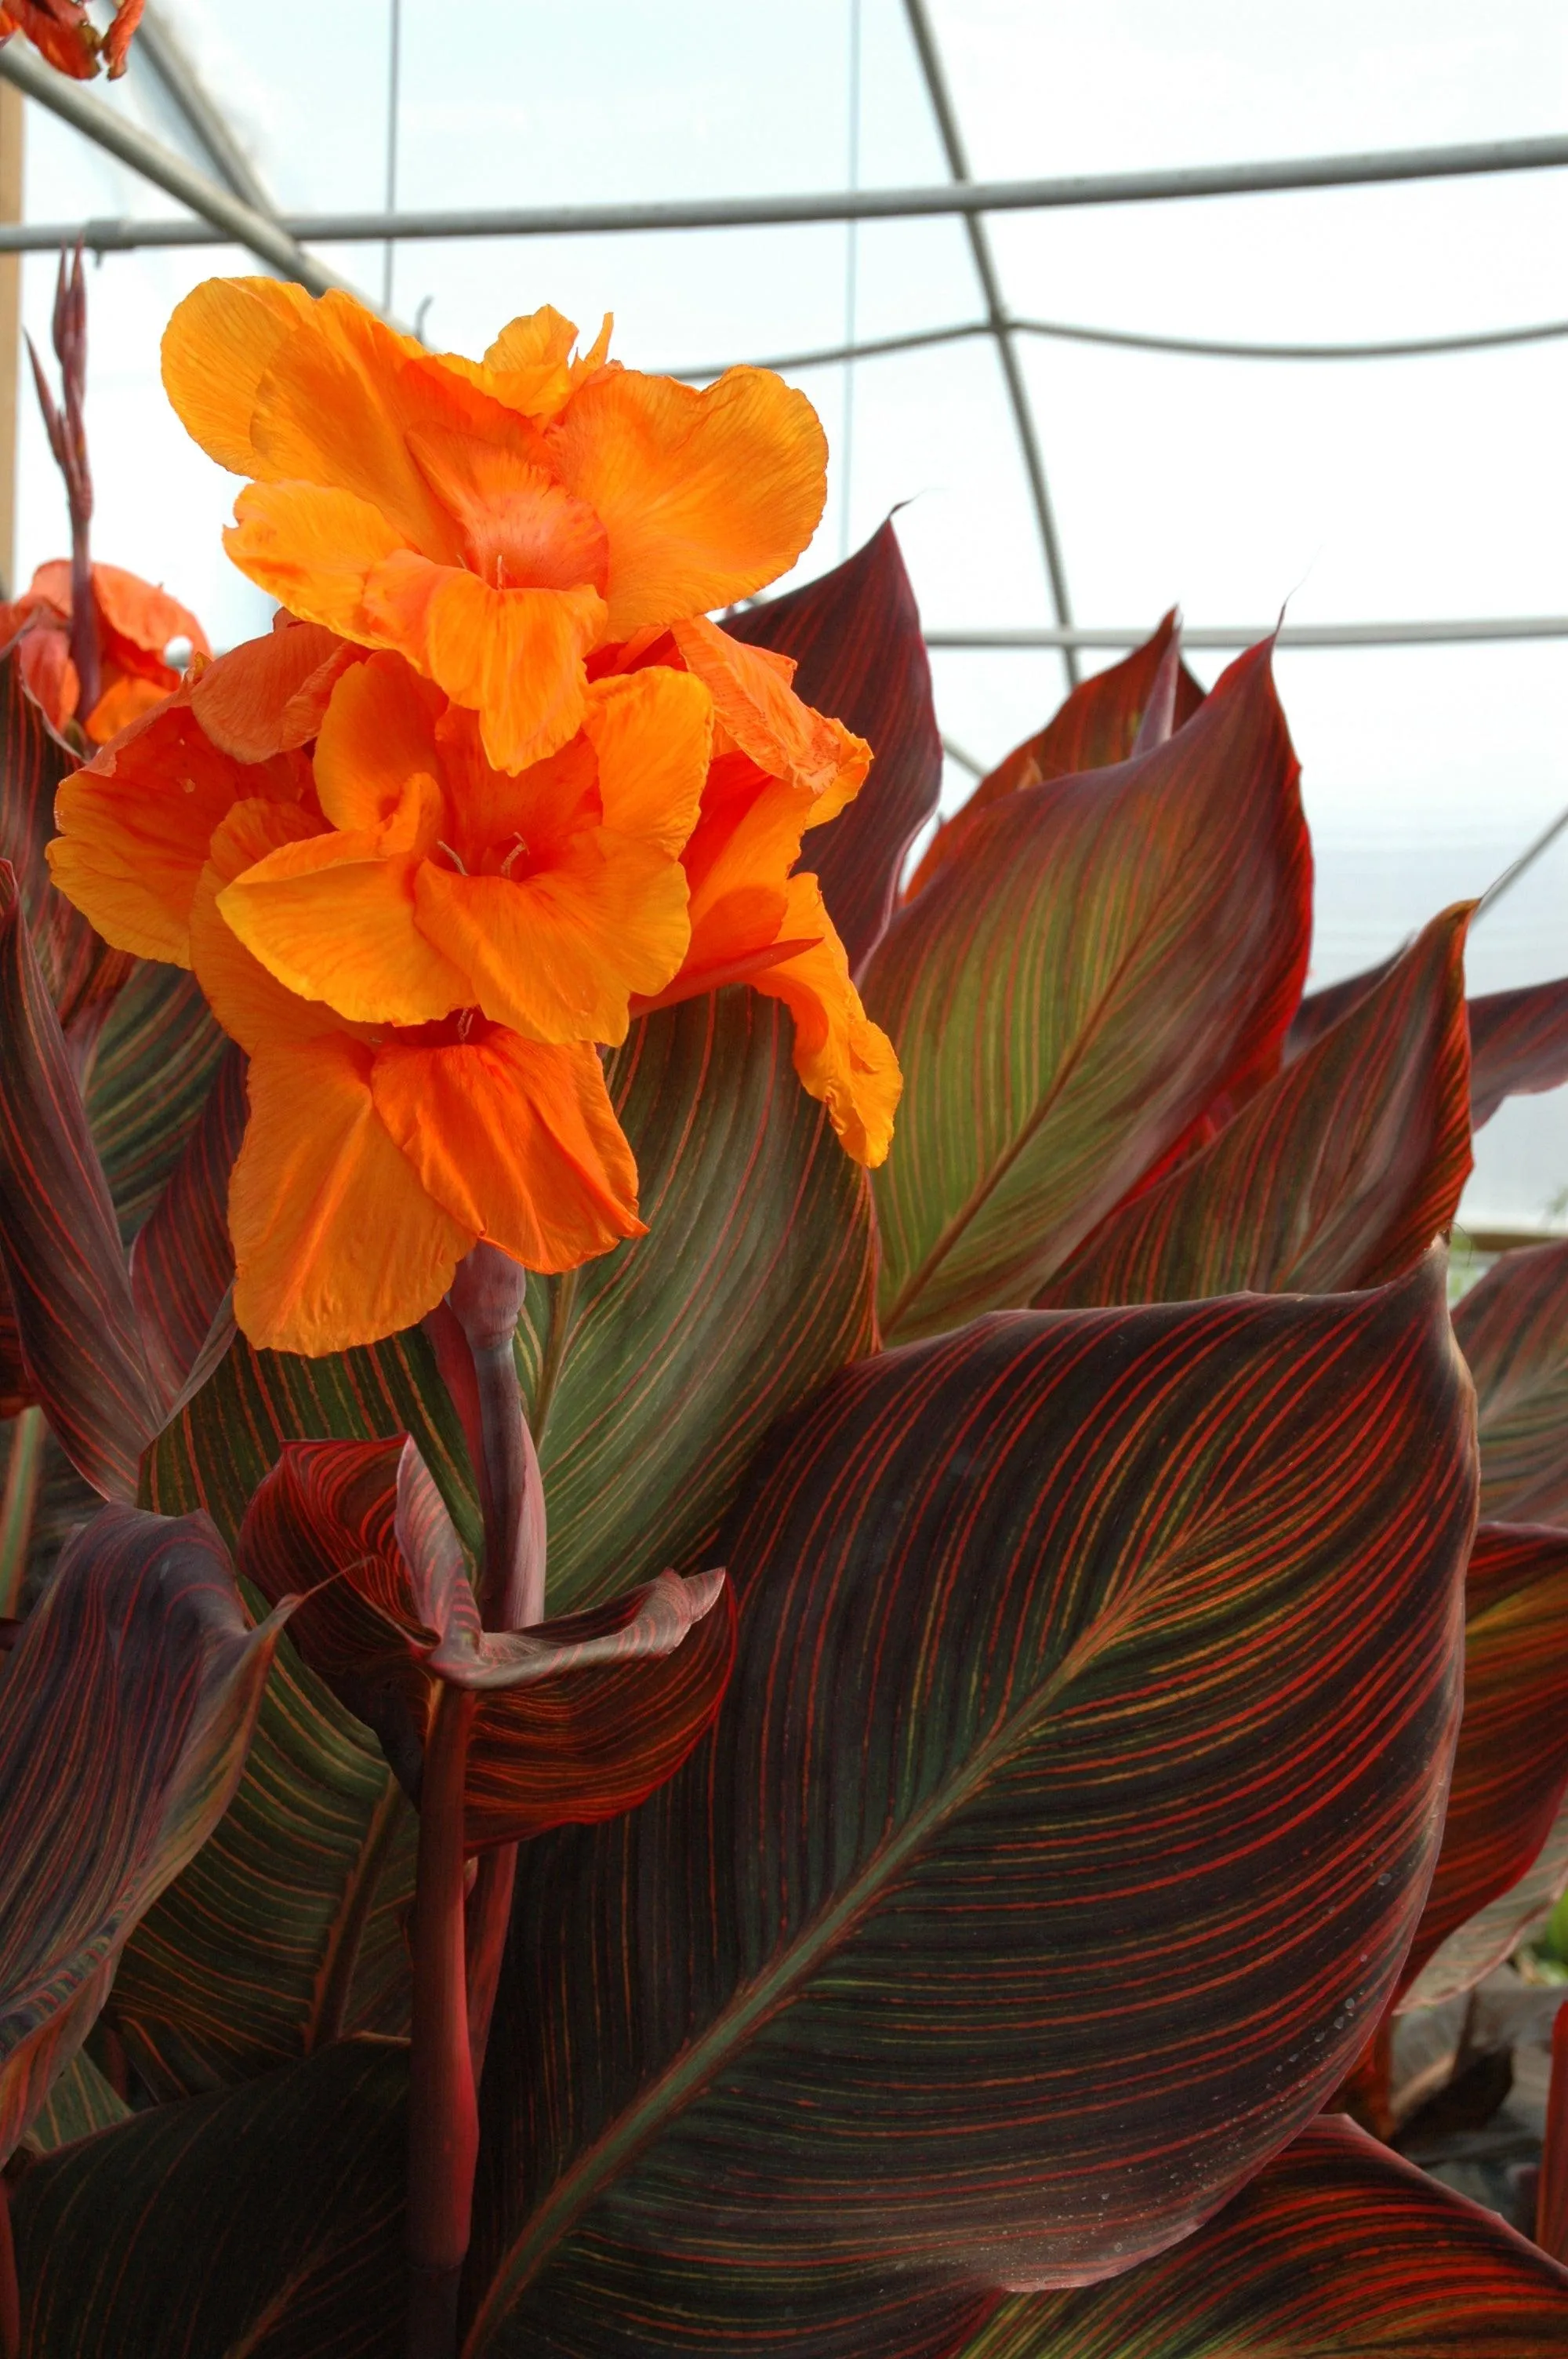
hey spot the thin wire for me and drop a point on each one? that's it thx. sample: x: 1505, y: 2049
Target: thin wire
x: 1516, y: 868
x: 394, y: 85
x: 851, y: 265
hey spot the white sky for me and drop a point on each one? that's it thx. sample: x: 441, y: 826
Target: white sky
x: 1393, y: 489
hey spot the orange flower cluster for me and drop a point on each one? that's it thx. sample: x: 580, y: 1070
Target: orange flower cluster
x: 136, y: 624
x: 492, y: 787
x: 63, y: 31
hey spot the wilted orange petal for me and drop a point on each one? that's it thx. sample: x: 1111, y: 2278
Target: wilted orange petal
x: 513, y: 655
x: 842, y: 1058
x: 126, y: 701
x: 250, y: 1005
x: 518, y: 1141
x: 333, y: 918
x: 756, y: 703
x: 218, y: 346
x: 136, y: 827
x: 336, y: 1241
x: 146, y: 617
x: 705, y: 497
x: 379, y: 731
x: 652, y: 732
x: 270, y: 692
x: 314, y: 551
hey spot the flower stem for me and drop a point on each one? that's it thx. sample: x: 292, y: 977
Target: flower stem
x: 443, y: 2118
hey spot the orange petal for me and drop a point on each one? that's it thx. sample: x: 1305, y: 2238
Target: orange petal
x: 514, y: 657
x: 147, y: 617
x: 520, y: 529
x: 842, y: 1058
x: 270, y: 692
x: 529, y: 367
x: 126, y: 699
x: 250, y: 1005
x: 134, y: 830
x: 652, y: 732
x: 378, y: 733
x: 705, y: 497
x: 314, y: 550
x: 738, y: 864
x: 217, y: 348
x: 336, y: 1241
x: 762, y: 714
x: 48, y: 672
x: 333, y: 918
x: 518, y: 1141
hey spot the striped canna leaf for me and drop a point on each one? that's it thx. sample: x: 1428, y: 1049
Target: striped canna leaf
x: 156, y: 1060
x: 1519, y: 1043
x: 579, y: 1717
x: 182, y: 1261
x: 855, y: 634
x: 59, y: 1243
x: 1113, y: 952
x: 1102, y: 721
x: 1066, y: 1639
x: 1338, y: 1173
x: 1337, y: 2250
x: 262, y: 2224
x: 1513, y: 1331
x: 126, y: 1709
x: 1510, y: 1772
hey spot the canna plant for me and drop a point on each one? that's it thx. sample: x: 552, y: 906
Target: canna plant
x: 788, y: 1648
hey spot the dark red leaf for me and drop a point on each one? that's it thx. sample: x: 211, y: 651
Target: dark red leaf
x: 1518, y: 1044
x: 1320, y: 1009
x: 126, y: 1713
x: 182, y: 1263
x: 856, y: 636
x: 1066, y: 1822
x: 1099, y: 723
x: 1513, y: 1330
x: 1111, y: 951
x: 1337, y: 2250
x: 1338, y: 1173
x: 1512, y: 1770
x: 59, y: 1240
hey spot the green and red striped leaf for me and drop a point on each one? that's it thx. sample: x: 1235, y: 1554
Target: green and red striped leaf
x: 1320, y: 1009
x: 1113, y: 952
x: 182, y: 1262
x: 1068, y: 1638
x: 579, y: 1717
x: 1496, y: 1930
x: 1513, y: 1331
x: 156, y: 1060
x: 1102, y: 721
x: 1518, y: 1044
x: 653, y: 1375
x: 855, y: 634
x: 59, y: 1243
x: 125, y: 1711
x: 1337, y: 2250
x: 79, y: 967
x: 1510, y: 1771
x: 262, y: 2224
x: 1338, y: 1173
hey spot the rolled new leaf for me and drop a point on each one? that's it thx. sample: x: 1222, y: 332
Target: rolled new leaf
x: 1067, y: 1820
x: 1513, y: 1331
x: 125, y: 1711
x: 390, y: 1613
x: 1338, y: 1173
x: 59, y: 1243
x: 1113, y: 952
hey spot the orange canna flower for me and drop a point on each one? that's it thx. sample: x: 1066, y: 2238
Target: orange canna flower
x: 376, y: 1154
x: 494, y: 522
x: 136, y: 624
x: 62, y: 31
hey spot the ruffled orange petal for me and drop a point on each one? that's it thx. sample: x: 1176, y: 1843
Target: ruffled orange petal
x: 652, y: 732
x: 333, y: 918
x: 761, y: 713
x: 519, y: 1142
x: 378, y: 733
x: 126, y: 701
x: 144, y: 618
x: 269, y: 694
x: 136, y: 823
x: 842, y: 1058
x: 217, y: 348
x: 705, y: 497
x: 738, y: 864
x: 315, y: 551
x: 514, y: 657
x: 529, y: 367
x: 336, y: 1241
x: 250, y: 1005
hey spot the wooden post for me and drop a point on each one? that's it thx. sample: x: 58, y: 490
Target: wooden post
x: 10, y: 122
